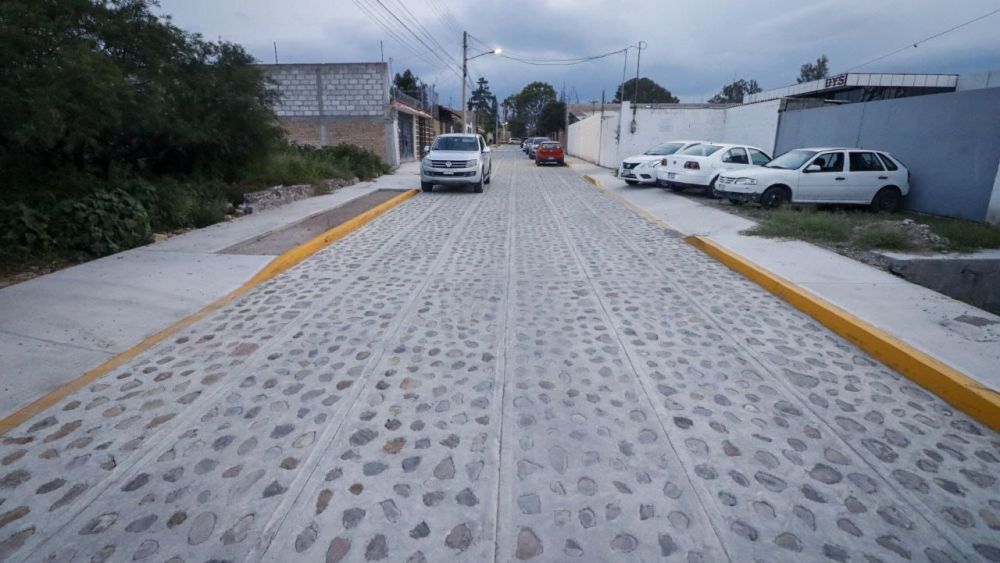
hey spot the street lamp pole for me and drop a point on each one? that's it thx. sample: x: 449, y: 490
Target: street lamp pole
x: 465, y: 79
x: 465, y: 75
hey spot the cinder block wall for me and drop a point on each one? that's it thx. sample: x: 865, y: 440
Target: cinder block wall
x: 329, y: 104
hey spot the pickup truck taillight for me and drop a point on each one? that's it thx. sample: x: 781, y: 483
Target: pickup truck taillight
x: 692, y: 165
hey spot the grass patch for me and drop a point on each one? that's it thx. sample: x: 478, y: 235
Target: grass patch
x: 864, y: 230
x: 883, y: 237
x: 790, y: 223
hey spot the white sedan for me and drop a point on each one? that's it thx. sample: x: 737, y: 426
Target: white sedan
x: 641, y: 168
x: 699, y: 166
x: 824, y: 175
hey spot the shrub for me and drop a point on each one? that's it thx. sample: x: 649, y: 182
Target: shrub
x: 23, y: 230
x: 102, y: 223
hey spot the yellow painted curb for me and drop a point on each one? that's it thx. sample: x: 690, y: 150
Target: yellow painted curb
x: 275, y: 267
x: 592, y: 180
x: 963, y: 392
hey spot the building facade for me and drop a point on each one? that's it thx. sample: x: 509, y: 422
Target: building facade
x: 332, y: 103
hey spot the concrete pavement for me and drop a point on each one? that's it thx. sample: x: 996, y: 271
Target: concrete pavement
x: 77, y: 318
x: 958, y: 334
x: 534, y: 373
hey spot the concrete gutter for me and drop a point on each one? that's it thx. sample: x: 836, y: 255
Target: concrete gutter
x: 57, y: 326
x: 950, y: 348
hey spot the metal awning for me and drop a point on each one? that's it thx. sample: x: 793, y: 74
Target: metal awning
x: 400, y: 106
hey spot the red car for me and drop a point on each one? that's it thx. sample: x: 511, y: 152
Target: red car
x: 550, y: 152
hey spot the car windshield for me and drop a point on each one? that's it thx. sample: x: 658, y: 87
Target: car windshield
x: 465, y: 144
x: 701, y: 150
x: 665, y: 149
x: 791, y: 160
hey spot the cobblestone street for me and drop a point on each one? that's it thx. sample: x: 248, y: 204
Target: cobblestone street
x: 533, y: 373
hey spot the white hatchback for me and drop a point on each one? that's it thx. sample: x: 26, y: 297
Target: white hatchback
x: 822, y: 175
x: 699, y: 166
x: 641, y: 168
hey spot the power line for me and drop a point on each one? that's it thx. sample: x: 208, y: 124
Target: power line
x: 382, y: 23
x: 924, y: 40
x: 414, y: 35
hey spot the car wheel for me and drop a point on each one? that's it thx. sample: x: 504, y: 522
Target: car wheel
x: 478, y: 186
x: 562, y: 163
x: 675, y: 188
x: 887, y: 200
x: 426, y: 186
x: 490, y: 177
x: 774, y: 197
x: 632, y: 182
x: 735, y: 201
x: 710, y: 190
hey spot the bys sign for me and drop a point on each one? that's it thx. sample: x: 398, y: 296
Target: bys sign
x: 836, y: 81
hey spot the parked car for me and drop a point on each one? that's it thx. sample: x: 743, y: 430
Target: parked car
x: 514, y: 141
x: 456, y: 158
x: 533, y: 146
x: 550, y: 152
x: 699, y: 166
x: 821, y: 175
x: 526, y: 145
x: 641, y: 169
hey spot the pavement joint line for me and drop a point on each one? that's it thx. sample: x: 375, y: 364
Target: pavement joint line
x: 706, y: 502
x: 329, y: 437
x: 915, y: 502
x: 57, y: 342
x: 958, y: 389
x: 277, y: 266
x: 95, y: 492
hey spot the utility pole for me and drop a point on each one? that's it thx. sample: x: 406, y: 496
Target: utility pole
x: 275, y: 52
x: 600, y: 135
x: 381, y: 50
x: 465, y: 74
x: 635, y: 102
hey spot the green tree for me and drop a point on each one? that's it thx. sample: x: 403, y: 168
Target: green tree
x: 95, y: 87
x: 735, y: 92
x: 408, y: 83
x: 527, y: 106
x: 484, y: 103
x: 809, y: 71
x: 649, y: 92
x: 552, y: 119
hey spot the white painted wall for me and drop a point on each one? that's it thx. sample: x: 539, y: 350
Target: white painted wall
x: 655, y: 126
x: 752, y: 124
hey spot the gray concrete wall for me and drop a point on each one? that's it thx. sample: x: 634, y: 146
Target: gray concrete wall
x: 950, y: 142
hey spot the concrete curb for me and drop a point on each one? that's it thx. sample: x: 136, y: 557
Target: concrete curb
x: 961, y: 391
x: 274, y: 268
x: 592, y: 180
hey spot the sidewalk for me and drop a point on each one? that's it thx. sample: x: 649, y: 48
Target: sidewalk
x: 962, y: 336
x: 58, y: 326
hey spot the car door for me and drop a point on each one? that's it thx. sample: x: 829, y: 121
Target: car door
x: 735, y: 158
x: 484, y: 151
x: 825, y: 184
x: 865, y: 177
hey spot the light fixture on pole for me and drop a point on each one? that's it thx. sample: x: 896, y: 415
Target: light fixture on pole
x: 465, y: 74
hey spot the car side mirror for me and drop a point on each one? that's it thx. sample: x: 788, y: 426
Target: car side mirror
x: 814, y: 168
x: 427, y: 148
x: 486, y: 149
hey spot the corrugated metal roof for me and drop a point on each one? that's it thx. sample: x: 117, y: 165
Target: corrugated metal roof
x: 857, y: 79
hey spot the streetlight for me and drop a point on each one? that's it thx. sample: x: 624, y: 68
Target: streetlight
x: 465, y: 74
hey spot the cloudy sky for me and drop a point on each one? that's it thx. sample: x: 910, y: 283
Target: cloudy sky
x: 693, y: 47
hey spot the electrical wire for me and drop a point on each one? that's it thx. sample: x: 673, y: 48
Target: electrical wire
x: 924, y: 40
x: 400, y: 24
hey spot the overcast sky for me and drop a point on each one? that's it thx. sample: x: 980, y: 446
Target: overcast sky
x: 693, y: 47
